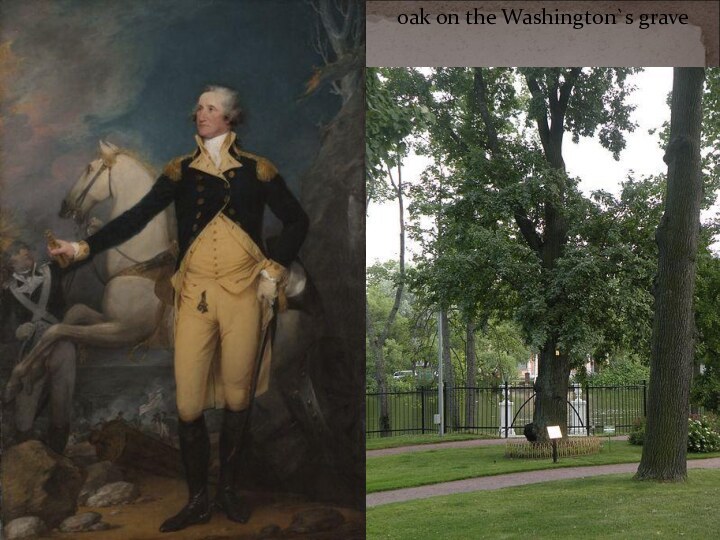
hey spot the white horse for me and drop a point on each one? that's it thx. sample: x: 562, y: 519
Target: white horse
x: 130, y: 307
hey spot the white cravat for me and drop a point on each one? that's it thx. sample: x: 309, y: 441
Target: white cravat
x: 213, y: 147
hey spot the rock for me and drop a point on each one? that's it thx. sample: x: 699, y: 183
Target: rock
x: 102, y: 526
x: 115, y: 493
x: 316, y: 520
x: 269, y: 531
x: 98, y: 475
x: 24, y: 527
x: 80, y: 522
x: 38, y: 482
x: 82, y: 454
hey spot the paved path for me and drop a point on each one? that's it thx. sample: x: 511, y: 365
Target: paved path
x: 513, y: 479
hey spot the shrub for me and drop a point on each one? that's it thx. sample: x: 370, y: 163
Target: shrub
x: 702, y: 437
x: 637, y: 432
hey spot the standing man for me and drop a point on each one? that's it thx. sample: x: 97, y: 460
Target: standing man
x: 31, y: 301
x: 225, y: 285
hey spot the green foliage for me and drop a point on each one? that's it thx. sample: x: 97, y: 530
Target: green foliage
x: 597, y: 108
x: 409, y: 344
x: 500, y: 348
x: 637, y: 431
x: 702, y: 436
x: 621, y: 370
x: 706, y: 389
x: 495, y: 183
x: 392, y: 115
x: 706, y: 386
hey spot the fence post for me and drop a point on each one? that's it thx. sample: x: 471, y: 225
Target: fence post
x: 422, y: 409
x: 587, y: 408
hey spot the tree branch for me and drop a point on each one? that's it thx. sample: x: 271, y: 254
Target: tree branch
x: 541, y: 119
x: 527, y: 228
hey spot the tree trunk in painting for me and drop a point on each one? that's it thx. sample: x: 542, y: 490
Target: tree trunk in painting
x: 665, y: 449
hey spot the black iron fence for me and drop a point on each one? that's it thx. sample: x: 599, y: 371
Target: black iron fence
x: 502, y: 410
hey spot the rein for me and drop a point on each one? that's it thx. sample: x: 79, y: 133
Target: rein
x: 81, y: 198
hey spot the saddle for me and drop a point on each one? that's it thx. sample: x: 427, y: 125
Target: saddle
x: 158, y: 269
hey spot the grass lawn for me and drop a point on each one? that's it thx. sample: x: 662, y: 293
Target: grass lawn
x: 612, y: 506
x: 377, y: 443
x: 433, y: 466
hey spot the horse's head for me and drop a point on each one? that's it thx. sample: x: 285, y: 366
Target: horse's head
x: 92, y: 187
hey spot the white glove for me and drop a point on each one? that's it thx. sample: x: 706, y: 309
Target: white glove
x: 267, y: 290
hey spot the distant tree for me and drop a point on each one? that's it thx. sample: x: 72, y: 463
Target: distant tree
x: 392, y: 116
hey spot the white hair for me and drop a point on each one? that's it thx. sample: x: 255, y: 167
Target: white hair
x: 230, y: 103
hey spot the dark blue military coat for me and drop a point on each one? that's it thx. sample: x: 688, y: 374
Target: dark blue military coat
x: 241, y: 192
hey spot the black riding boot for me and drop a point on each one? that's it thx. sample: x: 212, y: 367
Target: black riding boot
x: 231, y: 450
x: 57, y: 438
x: 195, y: 451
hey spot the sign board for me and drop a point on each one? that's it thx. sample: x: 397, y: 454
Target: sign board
x: 436, y: 419
x: 609, y: 430
x: 554, y: 432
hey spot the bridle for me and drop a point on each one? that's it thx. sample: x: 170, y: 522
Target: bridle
x: 81, y: 198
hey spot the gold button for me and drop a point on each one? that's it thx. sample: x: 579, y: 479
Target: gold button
x: 201, y: 201
x: 197, y: 216
x: 201, y: 187
x: 231, y: 174
x: 198, y: 176
x: 232, y: 211
x: 195, y: 227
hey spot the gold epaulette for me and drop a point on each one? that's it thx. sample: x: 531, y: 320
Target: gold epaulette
x: 264, y: 168
x: 173, y: 170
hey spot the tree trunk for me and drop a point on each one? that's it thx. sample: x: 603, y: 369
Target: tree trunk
x: 448, y: 373
x: 121, y: 443
x: 553, y: 366
x: 471, y: 371
x: 376, y: 346
x: 665, y: 449
x: 551, y: 388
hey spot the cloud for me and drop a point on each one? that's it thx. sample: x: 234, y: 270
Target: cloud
x: 69, y: 67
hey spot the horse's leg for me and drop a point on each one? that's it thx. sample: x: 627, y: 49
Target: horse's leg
x: 61, y: 367
x: 82, y: 314
x: 106, y: 334
x: 61, y: 385
x: 26, y: 408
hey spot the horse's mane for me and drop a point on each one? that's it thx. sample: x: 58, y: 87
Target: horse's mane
x: 132, y: 154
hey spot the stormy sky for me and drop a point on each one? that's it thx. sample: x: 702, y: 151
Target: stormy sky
x: 78, y: 71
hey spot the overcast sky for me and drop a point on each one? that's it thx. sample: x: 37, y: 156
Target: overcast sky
x: 587, y: 160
